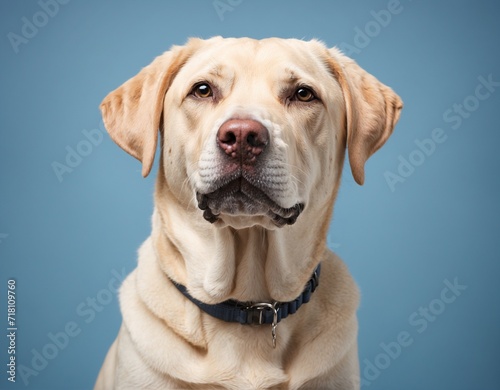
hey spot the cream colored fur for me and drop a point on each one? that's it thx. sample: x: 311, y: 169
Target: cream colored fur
x: 165, y: 341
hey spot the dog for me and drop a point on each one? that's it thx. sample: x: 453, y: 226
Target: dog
x: 236, y: 288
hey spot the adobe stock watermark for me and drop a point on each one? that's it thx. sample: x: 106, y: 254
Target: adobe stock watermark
x: 31, y: 26
x: 75, y: 155
x: 58, y: 341
x: 223, y: 6
x: 331, y: 244
x: 379, y: 20
x: 419, y: 321
x: 454, y: 116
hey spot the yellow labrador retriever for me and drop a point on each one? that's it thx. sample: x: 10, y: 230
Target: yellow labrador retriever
x: 235, y: 288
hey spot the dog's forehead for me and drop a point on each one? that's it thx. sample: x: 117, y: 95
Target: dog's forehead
x: 246, y: 54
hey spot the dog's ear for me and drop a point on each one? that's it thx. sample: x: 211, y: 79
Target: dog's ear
x: 372, y: 111
x: 132, y: 113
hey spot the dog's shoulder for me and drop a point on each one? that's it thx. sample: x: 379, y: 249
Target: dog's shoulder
x: 337, y: 289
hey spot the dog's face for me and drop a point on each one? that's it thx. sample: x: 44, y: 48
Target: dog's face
x: 252, y: 117
x: 254, y: 132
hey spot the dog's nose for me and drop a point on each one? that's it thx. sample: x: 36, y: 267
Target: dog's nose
x: 243, y: 139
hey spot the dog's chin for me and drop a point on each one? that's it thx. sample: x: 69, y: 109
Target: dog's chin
x: 240, y: 204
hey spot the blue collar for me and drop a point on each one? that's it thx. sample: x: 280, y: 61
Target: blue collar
x: 256, y: 313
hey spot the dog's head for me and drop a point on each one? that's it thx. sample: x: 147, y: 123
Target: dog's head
x: 254, y: 131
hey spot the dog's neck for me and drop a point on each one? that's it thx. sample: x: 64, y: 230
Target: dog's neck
x: 221, y: 263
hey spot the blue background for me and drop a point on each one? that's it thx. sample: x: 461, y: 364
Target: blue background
x: 64, y: 240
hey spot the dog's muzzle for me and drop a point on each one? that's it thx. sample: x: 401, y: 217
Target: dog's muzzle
x: 245, y: 183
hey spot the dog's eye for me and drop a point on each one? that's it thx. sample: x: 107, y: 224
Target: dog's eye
x: 304, y: 94
x: 202, y: 91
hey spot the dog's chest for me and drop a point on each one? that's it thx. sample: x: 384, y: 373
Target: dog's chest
x: 246, y: 360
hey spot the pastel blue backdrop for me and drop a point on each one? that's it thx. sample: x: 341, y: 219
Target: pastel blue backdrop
x: 421, y: 237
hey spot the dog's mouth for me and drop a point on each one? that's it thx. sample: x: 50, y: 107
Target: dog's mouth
x: 240, y: 197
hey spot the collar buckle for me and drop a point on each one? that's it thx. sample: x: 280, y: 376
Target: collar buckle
x: 256, y: 312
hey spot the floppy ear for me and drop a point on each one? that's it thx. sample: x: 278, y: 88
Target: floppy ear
x: 372, y: 111
x: 132, y: 113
